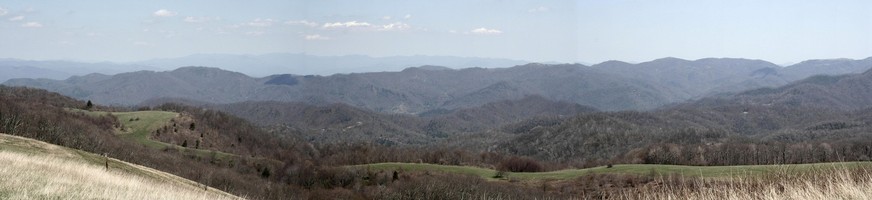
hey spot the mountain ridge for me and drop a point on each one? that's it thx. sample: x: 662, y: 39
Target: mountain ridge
x: 305, y: 64
x: 609, y: 86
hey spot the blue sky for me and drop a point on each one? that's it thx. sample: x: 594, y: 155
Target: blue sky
x: 562, y: 31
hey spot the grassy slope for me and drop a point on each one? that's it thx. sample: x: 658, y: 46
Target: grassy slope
x: 148, y: 121
x: 140, y: 130
x: 638, y: 169
x: 42, y: 170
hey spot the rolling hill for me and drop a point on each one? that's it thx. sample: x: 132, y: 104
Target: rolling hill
x: 52, y: 118
x: 844, y: 92
x: 343, y: 123
x: 821, y: 112
x: 719, y: 172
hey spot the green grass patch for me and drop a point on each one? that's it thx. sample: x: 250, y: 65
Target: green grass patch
x: 636, y: 169
x: 139, y: 125
x: 475, y: 171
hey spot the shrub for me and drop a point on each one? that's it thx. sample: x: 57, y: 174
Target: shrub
x: 265, y: 173
x: 500, y: 174
x: 519, y: 164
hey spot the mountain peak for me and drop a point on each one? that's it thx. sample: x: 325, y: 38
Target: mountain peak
x: 670, y: 60
x: 206, y: 71
x: 612, y: 63
x: 824, y: 61
x: 429, y: 68
x: 197, y: 68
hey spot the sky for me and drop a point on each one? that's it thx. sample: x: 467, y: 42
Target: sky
x: 779, y: 31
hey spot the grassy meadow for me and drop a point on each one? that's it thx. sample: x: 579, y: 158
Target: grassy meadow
x: 848, y: 180
x: 139, y: 125
x: 631, y: 169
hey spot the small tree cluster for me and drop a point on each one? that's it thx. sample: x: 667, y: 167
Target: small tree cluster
x: 519, y: 164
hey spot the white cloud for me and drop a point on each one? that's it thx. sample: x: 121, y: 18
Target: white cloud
x: 190, y: 19
x: 394, y: 27
x: 164, y: 13
x: 16, y: 18
x: 31, y: 25
x: 301, y: 22
x: 365, y: 26
x: 485, y: 31
x: 261, y: 22
x: 386, y: 18
x: 408, y: 16
x: 538, y: 9
x: 3, y: 11
x: 316, y: 37
x: 350, y: 24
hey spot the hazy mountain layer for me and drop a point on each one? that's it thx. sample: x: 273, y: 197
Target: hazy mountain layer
x: 607, y: 86
x: 13, y: 68
x: 303, y: 64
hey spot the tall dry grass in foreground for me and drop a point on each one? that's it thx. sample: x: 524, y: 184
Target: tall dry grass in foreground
x: 844, y: 183
x: 25, y: 176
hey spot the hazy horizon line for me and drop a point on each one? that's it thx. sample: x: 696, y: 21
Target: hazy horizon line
x: 584, y: 62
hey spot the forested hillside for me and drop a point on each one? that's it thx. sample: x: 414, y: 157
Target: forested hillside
x: 342, y: 123
x: 818, y: 119
x: 46, y: 116
x: 228, y: 153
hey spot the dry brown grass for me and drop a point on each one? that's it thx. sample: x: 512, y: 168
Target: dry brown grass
x: 38, y: 176
x: 821, y: 184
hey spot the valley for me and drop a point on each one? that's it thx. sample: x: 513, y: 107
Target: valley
x: 524, y: 144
